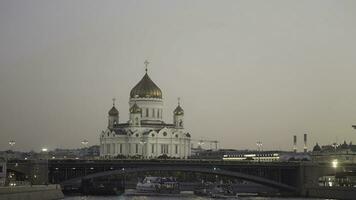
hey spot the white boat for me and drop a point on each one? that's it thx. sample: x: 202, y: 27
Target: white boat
x: 158, y: 185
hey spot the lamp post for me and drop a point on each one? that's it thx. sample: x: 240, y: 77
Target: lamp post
x: 11, y: 143
x: 85, y: 143
x: 335, y: 164
x: 259, y: 146
x: 44, y: 150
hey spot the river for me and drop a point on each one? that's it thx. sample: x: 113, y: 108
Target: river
x: 123, y: 197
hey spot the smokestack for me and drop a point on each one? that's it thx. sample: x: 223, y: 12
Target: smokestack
x: 295, y: 144
x: 305, y: 143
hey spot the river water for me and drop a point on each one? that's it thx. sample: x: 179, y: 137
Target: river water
x: 123, y: 197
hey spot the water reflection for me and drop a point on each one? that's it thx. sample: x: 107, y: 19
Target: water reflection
x: 123, y: 197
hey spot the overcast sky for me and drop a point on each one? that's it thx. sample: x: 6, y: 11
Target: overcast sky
x: 246, y: 71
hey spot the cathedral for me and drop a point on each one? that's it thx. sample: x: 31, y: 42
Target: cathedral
x: 145, y: 134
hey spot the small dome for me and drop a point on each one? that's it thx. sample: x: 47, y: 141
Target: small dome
x: 178, y: 111
x: 113, y: 111
x: 317, y: 147
x: 135, y: 109
x: 146, y: 88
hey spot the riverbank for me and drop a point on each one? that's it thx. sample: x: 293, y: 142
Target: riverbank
x: 35, y: 192
x: 346, y: 193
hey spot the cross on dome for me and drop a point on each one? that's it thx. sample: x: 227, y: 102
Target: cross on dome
x: 113, y: 101
x: 146, y: 64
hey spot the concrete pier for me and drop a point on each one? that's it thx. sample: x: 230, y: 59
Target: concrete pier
x: 35, y: 192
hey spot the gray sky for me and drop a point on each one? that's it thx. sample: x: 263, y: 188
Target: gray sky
x: 245, y: 70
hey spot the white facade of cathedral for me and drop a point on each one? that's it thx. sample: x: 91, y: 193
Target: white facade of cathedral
x: 145, y: 134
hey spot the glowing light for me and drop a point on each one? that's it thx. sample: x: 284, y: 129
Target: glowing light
x: 334, y: 163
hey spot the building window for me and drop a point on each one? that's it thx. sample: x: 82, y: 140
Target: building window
x: 164, y: 148
x: 153, y: 148
x: 176, y: 149
x: 136, y: 148
x: 120, y: 148
x: 147, y: 112
x: 158, y: 113
x: 107, y: 148
x: 153, y: 112
x: 129, y: 148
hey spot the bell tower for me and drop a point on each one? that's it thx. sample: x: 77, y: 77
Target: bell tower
x: 178, y: 115
x: 113, y: 118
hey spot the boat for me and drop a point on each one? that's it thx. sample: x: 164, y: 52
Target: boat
x: 153, y: 184
x: 102, y: 186
x: 221, y: 191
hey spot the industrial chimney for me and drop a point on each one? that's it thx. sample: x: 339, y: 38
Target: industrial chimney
x: 295, y: 144
x: 305, y: 143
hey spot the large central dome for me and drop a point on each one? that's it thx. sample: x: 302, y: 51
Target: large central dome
x: 146, y: 88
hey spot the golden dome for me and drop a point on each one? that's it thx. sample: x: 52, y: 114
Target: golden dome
x: 179, y: 110
x: 113, y: 111
x: 146, y: 88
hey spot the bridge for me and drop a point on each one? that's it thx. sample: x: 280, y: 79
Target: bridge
x: 292, y: 177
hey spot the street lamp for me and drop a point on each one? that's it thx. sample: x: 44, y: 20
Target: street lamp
x: 85, y: 143
x: 45, y: 151
x: 259, y: 146
x: 334, y: 163
x: 11, y: 143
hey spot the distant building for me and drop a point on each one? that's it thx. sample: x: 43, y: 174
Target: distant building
x: 251, y: 155
x: 91, y: 152
x: 145, y: 134
x: 2, y: 171
x: 328, y: 153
